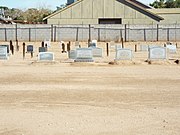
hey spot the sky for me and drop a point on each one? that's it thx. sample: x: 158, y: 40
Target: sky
x: 51, y: 4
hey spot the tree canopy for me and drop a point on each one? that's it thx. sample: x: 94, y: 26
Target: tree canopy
x: 166, y: 4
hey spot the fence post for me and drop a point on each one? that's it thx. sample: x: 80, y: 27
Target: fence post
x: 157, y: 32
x: 125, y: 33
x: 122, y: 42
x: 144, y: 34
x: 29, y: 34
x: 99, y: 34
x: 89, y: 34
x: 24, y: 50
x: 16, y: 33
x: 52, y: 32
x: 167, y: 34
x: 107, y: 48
x: 77, y: 34
x: 5, y: 34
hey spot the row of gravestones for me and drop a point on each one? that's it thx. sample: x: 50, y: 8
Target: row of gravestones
x: 87, y: 54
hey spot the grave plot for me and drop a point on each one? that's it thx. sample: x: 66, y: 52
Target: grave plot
x: 3, y: 53
x: 84, y: 55
x: 46, y: 56
x: 157, y: 53
x: 123, y: 54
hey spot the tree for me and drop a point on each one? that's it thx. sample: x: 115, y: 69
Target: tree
x: 166, y: 4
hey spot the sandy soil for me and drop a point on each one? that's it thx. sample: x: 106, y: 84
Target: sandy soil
x: 64, y: 98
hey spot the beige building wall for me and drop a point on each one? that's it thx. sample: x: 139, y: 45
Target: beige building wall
x: 89, y: 11
x: 170, y: 15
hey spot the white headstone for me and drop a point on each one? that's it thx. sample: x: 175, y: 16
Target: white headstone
x: 144, y: 47
x: 118, y: 47
x: 171, y: 48
x: 124, y: 54
x: 3, y: 53
x: 97, y: 52
x: 46, y: 56
x: 84, y: 55
x: 72, y: 54
x: 112, y: 44
x: 48, y: 43
x: 157, y: 53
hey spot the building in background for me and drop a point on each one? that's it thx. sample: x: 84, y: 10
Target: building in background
x: 104, y: 12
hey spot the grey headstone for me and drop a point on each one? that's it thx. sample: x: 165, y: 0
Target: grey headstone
x: 42, y: 49
x: 46, y: 56
x: 7, y: 48
x: 3, y: 53
x: 30, y: 48
x: 171, y: 48
x: 97, y: 52
x: 144, y: 47
x: 124, y: 54
x: 72, y: 54
x: 84, y: 55
x: 157, y: 53
x: 93, y: 45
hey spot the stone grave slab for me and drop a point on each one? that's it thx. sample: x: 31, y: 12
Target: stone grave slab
x: 144, y: 47
x: 3, y: 53
x: 157, y: 53
x: 171, y: 48
x: 46, y: 56
x: 124, y: 54
x: 42, y: 49
x: 7, y: 48
x: 72, y: 54
x: 84, y: 55
x: 97, y: 52
x: 30, y: 48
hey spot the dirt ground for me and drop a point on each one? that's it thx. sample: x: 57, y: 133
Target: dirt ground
x: 65, y: 98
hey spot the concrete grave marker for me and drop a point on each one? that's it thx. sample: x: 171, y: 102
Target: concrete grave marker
x: 84, y: 55
x: 171, y: 48
x: 30, y: 48
x: 144, y: 47
x: 124, y: 54
x: 3, y: 53
x: 45, y: 56
x: 112, y: 44
x: 97, y: 52
x: 42, y: 49
x: 157, y: 53
x: 118, y: 47
x: 7, y: 48
x: 72, y: 54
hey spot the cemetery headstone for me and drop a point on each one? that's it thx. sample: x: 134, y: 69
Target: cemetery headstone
x: 47, y: 43
x: 157, y: 53
x: 84, y: 55
x: 171, y: 48
x: 3, y: 53
x: 118, y: 47
x: 124, y: 54
x: 30, y: 48
x: 93, y: 44
x: 97, y: 52
x: 42, y: 49
x: 112, y: 44
x: 7, y: 48
x: 76, y: 43
x: 72, y: 54
x: 46, y: 56
x: 144, y: 47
